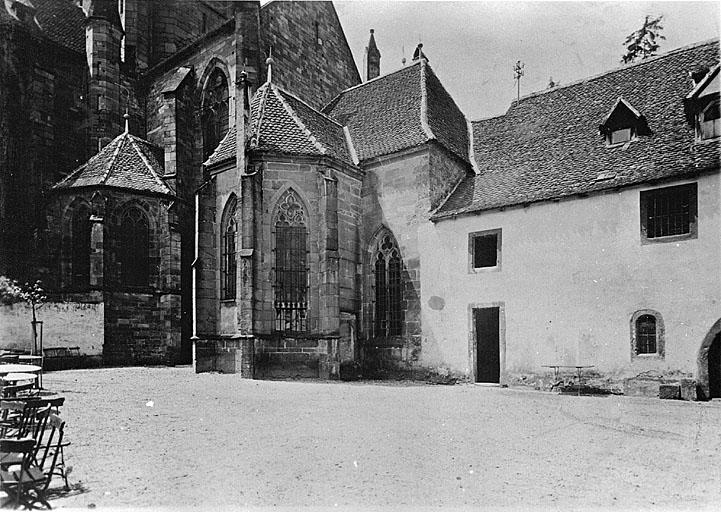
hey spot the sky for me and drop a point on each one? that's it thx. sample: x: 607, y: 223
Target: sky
x: 472, y: 46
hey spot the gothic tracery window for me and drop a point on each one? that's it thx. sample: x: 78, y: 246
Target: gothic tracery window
x: 134, y: 247
x: 387, y: 275
x: 214, y: 111
x: 291, y: 266
x: 80, y: 246
x: 228, y: 256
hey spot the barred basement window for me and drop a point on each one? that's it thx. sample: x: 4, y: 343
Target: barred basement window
x: 80, y: 251
x: 387, y: 270
x: 134, y: 248
x: 291, y: 266
x: 228, y: 256
x: 669, y: 211
x: 214, y: 111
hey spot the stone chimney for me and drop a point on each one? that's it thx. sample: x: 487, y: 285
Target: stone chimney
x: 373, y: 59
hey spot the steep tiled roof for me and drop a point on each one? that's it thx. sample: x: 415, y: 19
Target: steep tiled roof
x: 128, y: 162
x: 62, y: 22
x: 401, y: 110
x: 548, y: 146
x: 282, y: 123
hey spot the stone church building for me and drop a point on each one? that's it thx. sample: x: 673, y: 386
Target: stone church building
x: 213, y: 182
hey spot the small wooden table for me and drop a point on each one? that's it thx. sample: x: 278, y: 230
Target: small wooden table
x: 579, y: 369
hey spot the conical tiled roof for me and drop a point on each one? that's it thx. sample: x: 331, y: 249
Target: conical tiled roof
x: 282, y: 123
x: 128, y: 162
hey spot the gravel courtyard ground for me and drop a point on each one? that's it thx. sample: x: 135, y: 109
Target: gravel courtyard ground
x: 168, y: 438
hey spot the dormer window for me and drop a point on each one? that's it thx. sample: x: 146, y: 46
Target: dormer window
x: 623, y: 124
x: 702, y: 106
x: 620, y: 136
x: 709, y: 122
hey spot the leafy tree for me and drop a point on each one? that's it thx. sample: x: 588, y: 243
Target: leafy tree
x: 32, y: 294
x: 643, y: 43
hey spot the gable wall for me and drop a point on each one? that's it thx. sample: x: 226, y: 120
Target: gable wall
x: 572, y: 274
x: 312, y: 70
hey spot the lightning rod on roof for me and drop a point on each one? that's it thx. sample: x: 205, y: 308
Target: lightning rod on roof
x: 517, y: 74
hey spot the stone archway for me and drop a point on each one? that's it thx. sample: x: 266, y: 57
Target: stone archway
x: 709, y: 364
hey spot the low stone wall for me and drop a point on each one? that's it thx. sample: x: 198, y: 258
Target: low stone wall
x: 269, y: 358
x: 65, y: 324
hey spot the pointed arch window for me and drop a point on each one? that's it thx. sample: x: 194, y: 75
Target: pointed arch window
x: 387, y: 276
x: 228, y: 257
x: 80, y: 246
x: 134, y: 244
x: 291, y: 265
x: 214, y: 111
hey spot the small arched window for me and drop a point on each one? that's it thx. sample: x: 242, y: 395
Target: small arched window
x: 214, y: 111
x: 134, y: 244
x: 387, y: 276
x: 80, y: 231
x: 228, y: 255
x: 647, y: 334
x: 710, y: 121
x: 291, y: 265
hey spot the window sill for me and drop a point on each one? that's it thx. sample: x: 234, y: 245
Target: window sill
x: 647, y: 357
x: 484, y: 270
x: 228, y: 301
x: 668, y: 239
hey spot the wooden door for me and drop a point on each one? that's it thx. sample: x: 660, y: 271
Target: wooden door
x: 488, y: 353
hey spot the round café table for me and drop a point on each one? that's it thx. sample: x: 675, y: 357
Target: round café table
x: 18, y: 368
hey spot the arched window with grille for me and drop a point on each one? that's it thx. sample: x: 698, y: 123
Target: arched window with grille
x: 291, y: 265
x: 80, y: 231
x: 228, y: 261
x: 133, y: 248
x: 388, y: 287
x: 214, y: 111
x: 647, y: 334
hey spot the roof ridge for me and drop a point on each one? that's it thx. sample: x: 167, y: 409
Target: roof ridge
x: 424, y: 103
x: 283, y: 91
x: 261, y: 111
x: 471, y: 149
x: 299, y: 122
x: 134, y: 144
x: 72, y: 173
x: 120, y: 139
x: 351, y: 147
x: 373, y: 80
x: 619, y: 69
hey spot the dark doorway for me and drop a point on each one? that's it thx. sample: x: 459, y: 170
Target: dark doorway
x: 488, y: 352
x: 714, y: 367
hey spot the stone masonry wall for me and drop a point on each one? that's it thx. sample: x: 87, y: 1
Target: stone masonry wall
x: 42, y: 136
x: 312, y: 57
x: 395, y: 196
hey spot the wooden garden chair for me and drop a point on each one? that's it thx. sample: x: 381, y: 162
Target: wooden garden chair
x: 38, y: 429
x: 27, y: 483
